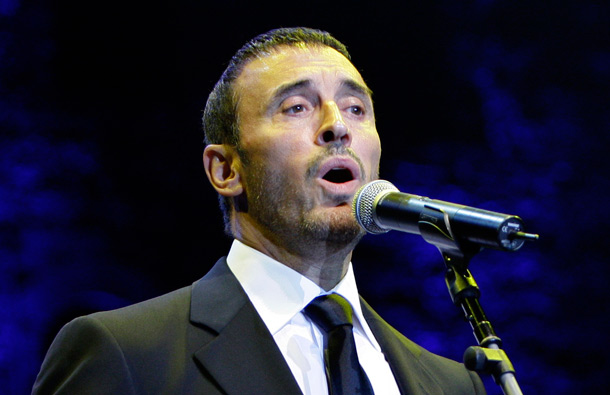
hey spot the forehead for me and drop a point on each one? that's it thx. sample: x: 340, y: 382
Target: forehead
x: 286, y: 64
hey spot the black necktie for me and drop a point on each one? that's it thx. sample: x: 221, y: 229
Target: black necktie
x: 333, y: 315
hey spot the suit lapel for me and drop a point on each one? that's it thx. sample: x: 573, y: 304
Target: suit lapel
x: 402, y: 355
x: 242, y: 357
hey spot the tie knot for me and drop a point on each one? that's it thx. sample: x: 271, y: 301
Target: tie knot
x: 329, y: 311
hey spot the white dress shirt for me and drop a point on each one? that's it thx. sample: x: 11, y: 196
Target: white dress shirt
x: 279, y: 295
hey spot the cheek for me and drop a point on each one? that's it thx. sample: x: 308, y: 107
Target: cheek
x: 277, y: 138
x: 370, y: 149
x: 281, y: 156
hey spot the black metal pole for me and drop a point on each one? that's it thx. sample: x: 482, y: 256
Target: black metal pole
x: 489, y: 358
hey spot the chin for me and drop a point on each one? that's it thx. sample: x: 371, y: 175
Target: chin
x: 337, y: 227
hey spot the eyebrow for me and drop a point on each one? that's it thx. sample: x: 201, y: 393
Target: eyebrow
x: 287, y: 89
x: 357, y: 88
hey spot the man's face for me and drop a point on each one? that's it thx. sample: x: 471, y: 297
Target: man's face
x: 308, y: 132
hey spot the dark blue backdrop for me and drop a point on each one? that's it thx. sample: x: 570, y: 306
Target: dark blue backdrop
x: 498, y: 105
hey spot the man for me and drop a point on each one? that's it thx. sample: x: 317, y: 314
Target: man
x: 291, y: 136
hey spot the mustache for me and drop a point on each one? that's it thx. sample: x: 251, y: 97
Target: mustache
x: 330, y: 151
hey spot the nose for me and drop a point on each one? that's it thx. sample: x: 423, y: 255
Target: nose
x: 333, y: 129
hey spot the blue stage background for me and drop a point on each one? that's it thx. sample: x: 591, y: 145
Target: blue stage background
x: 494, y: 104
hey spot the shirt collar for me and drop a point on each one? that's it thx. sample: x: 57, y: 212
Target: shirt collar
x: 278, y: 292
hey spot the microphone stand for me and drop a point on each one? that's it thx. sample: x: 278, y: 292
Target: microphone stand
x: 488, y: 357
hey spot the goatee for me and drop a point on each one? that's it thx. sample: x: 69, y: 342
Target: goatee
x: 289, y: 217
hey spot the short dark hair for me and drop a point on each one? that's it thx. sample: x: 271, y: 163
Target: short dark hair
x: 220, y: 123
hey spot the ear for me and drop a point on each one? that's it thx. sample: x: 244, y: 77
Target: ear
x: 222, y: 166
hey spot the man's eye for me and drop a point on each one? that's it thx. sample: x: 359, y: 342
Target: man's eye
x: 356, y: 110
x: 295, y: 109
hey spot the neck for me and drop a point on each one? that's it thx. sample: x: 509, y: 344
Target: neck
x: 323, y: 262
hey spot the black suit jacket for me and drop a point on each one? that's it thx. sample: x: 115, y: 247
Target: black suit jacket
x: 209, y: 339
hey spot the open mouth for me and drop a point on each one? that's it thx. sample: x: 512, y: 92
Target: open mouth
x: 338, y: 175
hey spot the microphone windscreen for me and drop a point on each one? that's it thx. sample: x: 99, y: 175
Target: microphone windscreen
x: 365, y: 201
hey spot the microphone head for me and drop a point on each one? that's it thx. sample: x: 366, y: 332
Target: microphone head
x: 365, y: 202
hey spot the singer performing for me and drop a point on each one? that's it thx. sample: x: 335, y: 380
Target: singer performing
x: 290, y: 137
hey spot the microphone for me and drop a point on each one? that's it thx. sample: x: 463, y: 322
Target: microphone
x: 379, y: 207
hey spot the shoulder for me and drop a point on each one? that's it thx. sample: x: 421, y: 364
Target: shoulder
x: 412, y: 363
x: 107, y: 352
x: 156, y: 311
x: 146, y: 347
x: 141, y: 327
